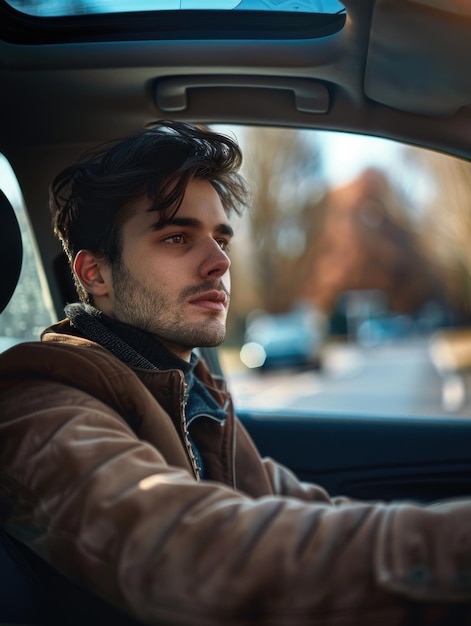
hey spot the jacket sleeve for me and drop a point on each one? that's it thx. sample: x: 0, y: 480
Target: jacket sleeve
x: 285, y: 483
x: 106, y: 510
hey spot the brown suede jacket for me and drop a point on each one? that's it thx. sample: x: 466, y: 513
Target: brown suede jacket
x: 96, y: 477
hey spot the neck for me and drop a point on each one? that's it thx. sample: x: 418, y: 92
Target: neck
x: 179, y: 351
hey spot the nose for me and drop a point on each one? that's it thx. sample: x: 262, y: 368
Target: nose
x: 215, y: 261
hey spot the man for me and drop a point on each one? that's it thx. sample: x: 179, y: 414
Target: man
x: 123, y: 466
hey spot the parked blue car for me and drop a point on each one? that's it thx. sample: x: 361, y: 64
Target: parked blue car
x: 289, y: 340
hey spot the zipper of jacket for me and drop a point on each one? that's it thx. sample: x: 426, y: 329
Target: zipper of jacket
x: 234, y: 439
x: 186, y: 434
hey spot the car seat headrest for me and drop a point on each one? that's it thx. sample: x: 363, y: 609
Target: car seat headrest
x: 11, y: 251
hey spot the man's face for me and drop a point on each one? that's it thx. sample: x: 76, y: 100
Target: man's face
x: 173, y: 278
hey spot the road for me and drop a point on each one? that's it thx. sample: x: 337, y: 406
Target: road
x: 391, y: 380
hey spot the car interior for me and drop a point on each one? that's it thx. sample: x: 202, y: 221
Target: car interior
x: 77, y: 74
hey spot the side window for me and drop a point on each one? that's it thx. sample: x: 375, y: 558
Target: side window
x: 30, y: 309
x: 351, y: 278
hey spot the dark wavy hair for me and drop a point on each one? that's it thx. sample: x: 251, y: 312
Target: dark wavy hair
x: 87, y: 199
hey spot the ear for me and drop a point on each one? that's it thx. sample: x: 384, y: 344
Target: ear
x: 93, y: 273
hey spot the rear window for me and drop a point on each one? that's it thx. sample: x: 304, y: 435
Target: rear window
x: 30, y: 309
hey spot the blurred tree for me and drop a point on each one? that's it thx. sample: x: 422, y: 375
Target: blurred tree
x: 447, y: 227
x: 285, y: 172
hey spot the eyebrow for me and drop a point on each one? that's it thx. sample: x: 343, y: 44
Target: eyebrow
x: 191, y: 222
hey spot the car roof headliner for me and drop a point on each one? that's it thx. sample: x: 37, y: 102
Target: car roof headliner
x: 391, y: 61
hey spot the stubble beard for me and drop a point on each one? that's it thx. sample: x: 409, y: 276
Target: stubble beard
x: 141, y: 307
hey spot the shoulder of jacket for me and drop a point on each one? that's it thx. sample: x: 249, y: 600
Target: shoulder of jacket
x: 62, y: 357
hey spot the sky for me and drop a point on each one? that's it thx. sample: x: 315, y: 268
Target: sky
x: 347, y: 155
x: 65, y: 7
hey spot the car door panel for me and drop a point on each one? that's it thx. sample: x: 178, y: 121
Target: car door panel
x: 370, y: 458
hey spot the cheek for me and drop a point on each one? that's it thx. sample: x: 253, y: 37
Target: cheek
x: 143, y: 263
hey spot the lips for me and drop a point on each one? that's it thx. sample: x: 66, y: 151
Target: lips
x: 213, y: 300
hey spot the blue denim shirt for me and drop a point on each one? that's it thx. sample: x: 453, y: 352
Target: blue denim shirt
x: 200, y: 403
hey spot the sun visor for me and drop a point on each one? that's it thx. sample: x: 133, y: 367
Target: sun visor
x: 419, y: 56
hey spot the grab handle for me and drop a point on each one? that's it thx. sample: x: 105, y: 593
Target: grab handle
x: 310, y: 95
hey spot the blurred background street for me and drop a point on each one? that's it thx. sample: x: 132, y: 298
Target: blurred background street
x: 389, y: 380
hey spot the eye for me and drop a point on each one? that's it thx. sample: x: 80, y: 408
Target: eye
x: 175, y: 239
x: 223, y: 244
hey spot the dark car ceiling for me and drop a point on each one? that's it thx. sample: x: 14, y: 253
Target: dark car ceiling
x: 392, y: 57
x: 397, y: 69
